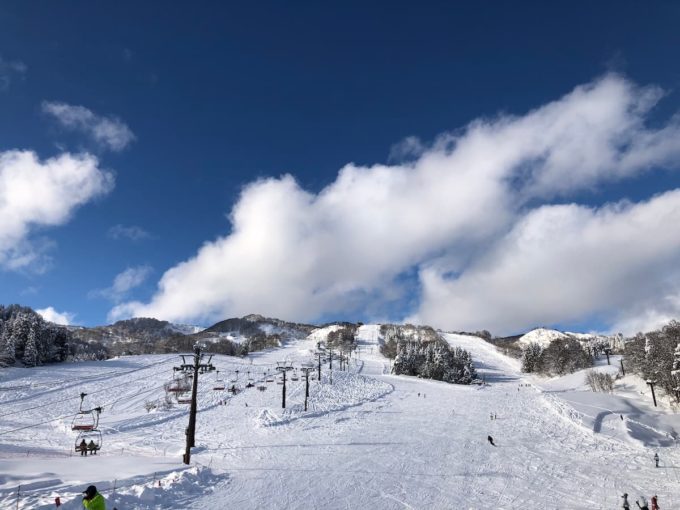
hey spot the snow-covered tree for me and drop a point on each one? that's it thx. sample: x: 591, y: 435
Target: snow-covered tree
x: 31, y: 358
x: 434, y: 360
x: 7, y: 347
x: 530, y: 357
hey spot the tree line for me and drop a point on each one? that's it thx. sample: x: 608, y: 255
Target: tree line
x: 29, y: 340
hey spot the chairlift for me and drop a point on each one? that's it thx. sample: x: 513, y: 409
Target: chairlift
x: 219, y: 382
x: 261, y: 387
x: 183, y: 400
x: 294, y: 377
x: 279, y: 380
x: 93, y: 441
x: 178, y: 385
x: 233, y: 389
x: 85, y: 419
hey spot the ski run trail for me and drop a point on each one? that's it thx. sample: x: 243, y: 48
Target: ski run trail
x: 367, y: 441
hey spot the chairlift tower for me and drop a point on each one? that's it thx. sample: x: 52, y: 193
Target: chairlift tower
x: 319, y: 353
x: 283, y: 367
x: 198, y: 367
x: 306, y: 371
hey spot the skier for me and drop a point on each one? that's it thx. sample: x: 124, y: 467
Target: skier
x: 642, y: 506
x: 656, y: 459
x: 93, y: 500
x: 490, y: 439
x: 83, y: 448
x: 625, y: 505
x: 655, y: 503
x: 491, y: 416
x: 92, y: 447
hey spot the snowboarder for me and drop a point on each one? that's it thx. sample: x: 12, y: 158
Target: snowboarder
x: 490, y: 439
x: 625, y: 505
x: 83, y: 448
x: 656, y: 459
x: 655, y: 502
x: 93, y: 500
x: 642, y: 506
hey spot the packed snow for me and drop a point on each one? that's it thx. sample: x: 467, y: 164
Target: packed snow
x: 368, y: 440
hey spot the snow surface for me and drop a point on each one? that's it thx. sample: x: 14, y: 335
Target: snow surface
x: 367, y: 441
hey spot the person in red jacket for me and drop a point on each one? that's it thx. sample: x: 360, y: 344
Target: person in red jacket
x: 655, y: 502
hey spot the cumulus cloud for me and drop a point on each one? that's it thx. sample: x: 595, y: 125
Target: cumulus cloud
x: 108, y: 132
x: 10, y: 69
x: 132, y: 232
x: 124, y: 282
x: 464, y: 198
x: 51, y: 315
x: 35, y: 194
x: 563, y: 263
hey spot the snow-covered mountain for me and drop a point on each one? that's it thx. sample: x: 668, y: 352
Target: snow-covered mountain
x: 136, y: 330
x: 544, y: 337
x: 369, y: 439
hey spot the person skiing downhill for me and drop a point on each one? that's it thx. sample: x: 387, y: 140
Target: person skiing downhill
x: 642, y: 506
x: 625, y: 505
x: 655, y: 503
x: 490, y: 439
x: 656, y: 459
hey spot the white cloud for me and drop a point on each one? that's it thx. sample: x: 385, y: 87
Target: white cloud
x: 563, y: 263
x: 124, y: 282
x: 10, y: 69
x: 35, y: 193
x: 51, y: 315
x: 300, y: 255
x: 108, y: 132
x: 132, y: 232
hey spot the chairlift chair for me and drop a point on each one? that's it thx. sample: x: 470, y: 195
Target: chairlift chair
x: 219, y: 382
x: 85, y: 419
x: 84, y: 422
x: 94, y: 436
x: 294, y: 377
x: 178, y: 385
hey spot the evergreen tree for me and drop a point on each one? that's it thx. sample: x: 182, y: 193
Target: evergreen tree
x: 7, y: 348
x: 530, y: 357
x: 31, y: 357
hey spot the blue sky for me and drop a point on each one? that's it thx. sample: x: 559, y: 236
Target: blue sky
x: 200, y: 159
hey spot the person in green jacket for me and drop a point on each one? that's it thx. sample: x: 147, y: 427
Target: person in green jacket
x: 93, y: 500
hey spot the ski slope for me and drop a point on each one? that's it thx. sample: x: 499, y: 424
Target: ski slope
x: 367, y: 441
